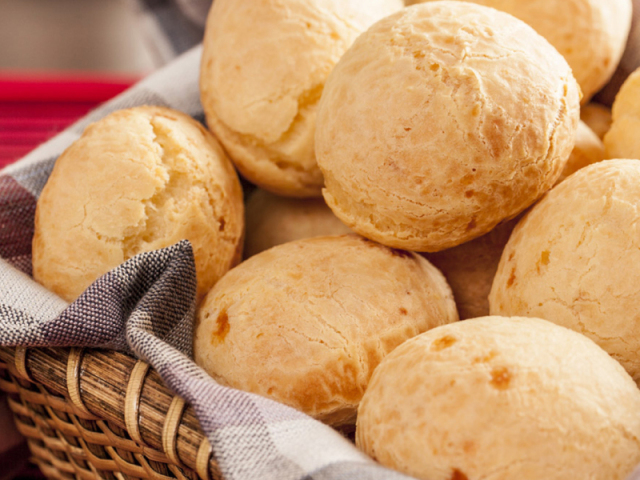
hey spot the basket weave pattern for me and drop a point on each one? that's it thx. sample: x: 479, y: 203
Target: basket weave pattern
x: 101, y: 415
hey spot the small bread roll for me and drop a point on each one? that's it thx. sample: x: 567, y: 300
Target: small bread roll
x: 272, y: 220
x: 306, y: 323
x: 137, y: 180
x: 442, y: 121
x: 501, y: 399
x: 588, y: 149
x: 597, y: 117
x: 574, y: 259
x: 622, y: 140
x: 469, y: 269
x: 590, y: 34
x: 263, y: 69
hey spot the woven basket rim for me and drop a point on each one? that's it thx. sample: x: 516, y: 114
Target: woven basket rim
x: 109, y: 385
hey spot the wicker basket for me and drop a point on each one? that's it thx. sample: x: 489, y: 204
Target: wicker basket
x: 90, y: 414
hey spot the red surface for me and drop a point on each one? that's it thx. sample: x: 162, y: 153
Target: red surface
x: 34, y: 107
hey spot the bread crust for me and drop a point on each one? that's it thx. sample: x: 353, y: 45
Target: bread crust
x: 306, y: 323
x: 574, y: 260
x: 500, y: 399
x: 590, y: 34
x: 140, y: 179
x: 273, y: 220
x: 442, y: 121
x: 263, y: 69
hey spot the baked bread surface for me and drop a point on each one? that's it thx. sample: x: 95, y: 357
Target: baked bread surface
x: 272, y: 220
x: 307, y: 322
x: 590, y: 34
x: 264, y: 65
x: 442, y: 121
x: 138, y: 180
x: 501, y: 399
x: 574, y: 260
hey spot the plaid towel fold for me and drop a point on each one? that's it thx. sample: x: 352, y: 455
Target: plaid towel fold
x: 171, y: 27
x: 146, y: 307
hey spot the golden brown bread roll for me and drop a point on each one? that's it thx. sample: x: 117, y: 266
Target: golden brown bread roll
x: 597, y: 117
x: 138, y: 180
x: 574, y: 259
x: 272, y: 220
x: 442, y: 121
x: 622, y: 140
x: 590, y: 34
x: 588, y: 149
x: 306, y: 323
x: 263, y: 68
x: 501, y: 399
x: 469, y: 269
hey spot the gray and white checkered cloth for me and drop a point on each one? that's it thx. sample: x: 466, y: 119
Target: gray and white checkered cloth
x: 171, y: 27
x: 146, y: 307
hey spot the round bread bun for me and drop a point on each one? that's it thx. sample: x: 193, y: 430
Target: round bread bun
x: 589, y: 149
x: 590, y: 34
x: 272, y: 220
x: 442, y: 121
x: 138, y: 180
x: 597, y: 117
x: 469, y: 269
x: 501, y: 398
x: 263, y: 69
x: 622, y: 139
x: 574, y: 259
x: 307, y: 322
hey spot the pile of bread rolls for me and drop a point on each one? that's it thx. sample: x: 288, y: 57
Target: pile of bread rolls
x: 417, y: 165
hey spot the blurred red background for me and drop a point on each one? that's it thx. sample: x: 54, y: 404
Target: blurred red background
x: 34, y: 107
